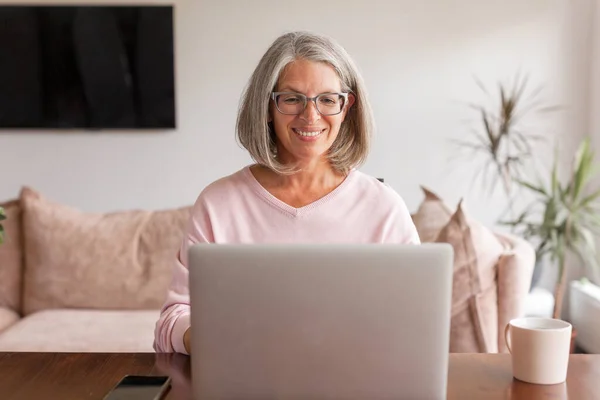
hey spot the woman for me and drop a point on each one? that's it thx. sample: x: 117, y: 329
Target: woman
x: 306, y: 121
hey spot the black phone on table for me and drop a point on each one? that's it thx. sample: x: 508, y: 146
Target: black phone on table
x: 137, y: 387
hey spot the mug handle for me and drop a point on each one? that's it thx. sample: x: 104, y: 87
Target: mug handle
x: 507, y: 337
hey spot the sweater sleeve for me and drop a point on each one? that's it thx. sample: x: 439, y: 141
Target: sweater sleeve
x: 412, y: 234
x: 400, y: 227
x: 408, y: 230
x: 174, y: 319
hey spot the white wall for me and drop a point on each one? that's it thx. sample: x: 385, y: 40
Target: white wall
x: 582, y: 59
x: 594, y: 108
x: 595, y: 77
x: 418, y: 59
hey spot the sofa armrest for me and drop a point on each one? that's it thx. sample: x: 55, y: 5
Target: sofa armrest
x: 515, y: 269
x: 7, y: 318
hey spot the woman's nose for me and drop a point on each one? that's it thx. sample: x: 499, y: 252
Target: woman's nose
x: 310, y: 113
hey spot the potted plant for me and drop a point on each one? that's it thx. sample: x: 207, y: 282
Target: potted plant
x: 504, y: 144
x: 564, y: 218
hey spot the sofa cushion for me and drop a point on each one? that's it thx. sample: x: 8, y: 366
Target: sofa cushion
x: 7, y: 318
x: 82, y: 331
x: 11, y: 258
x: 118, y: 260
x: 431, y: 216
x: 474, y: 326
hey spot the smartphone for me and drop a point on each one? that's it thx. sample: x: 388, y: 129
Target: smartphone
x: 136, y: 387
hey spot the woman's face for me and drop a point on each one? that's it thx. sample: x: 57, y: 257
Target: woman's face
x: 306, y: 137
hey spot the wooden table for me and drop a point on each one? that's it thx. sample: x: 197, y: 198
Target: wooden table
x: 25, y: 376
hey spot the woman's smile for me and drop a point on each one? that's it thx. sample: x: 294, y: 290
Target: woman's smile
x: 308, y: 134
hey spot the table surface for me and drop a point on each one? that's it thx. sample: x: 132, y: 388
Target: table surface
x: 65, y: 376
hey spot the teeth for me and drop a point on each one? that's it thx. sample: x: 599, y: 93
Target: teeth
x: 307, y: 133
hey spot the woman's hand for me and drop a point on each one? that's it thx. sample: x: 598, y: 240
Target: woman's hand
x: 186, y: 341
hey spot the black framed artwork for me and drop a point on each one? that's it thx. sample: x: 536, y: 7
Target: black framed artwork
x: 87, y: 67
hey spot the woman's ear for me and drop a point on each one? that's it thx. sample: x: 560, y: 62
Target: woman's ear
x: 351, y: 100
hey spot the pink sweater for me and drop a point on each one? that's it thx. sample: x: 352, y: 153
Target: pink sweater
x: 237, y: 209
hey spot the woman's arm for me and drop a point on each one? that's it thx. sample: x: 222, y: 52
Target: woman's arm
x: 400, y: 227
x: 174, y: 320
x: 174, y: 317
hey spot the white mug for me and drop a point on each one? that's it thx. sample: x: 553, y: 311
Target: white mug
x: 539, y: 349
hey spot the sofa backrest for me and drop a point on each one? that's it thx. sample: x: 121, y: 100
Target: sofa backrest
x: 74, y: 259
x: 56, y: 256
x: 515, y: 271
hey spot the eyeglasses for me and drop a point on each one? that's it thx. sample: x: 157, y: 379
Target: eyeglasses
x: 291, y: 103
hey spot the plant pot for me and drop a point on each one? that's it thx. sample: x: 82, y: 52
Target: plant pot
x: 584, y: 312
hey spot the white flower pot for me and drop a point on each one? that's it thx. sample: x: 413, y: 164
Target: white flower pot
x: 584, y: 311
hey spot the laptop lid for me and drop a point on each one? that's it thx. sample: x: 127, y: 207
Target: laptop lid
x: 320, y: 321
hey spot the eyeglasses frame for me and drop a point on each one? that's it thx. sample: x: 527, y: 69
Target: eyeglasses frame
x: 307, y: 99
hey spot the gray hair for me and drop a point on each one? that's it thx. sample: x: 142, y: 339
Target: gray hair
x: 254, y: 133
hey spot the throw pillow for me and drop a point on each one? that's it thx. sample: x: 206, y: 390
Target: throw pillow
x: 432, y: 215
x: 474, y: 326
x: 117, y: 260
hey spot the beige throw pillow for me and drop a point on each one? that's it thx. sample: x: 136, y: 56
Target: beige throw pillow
x: 474, y: 325
x: 118, y: 260
x: 432, y: 215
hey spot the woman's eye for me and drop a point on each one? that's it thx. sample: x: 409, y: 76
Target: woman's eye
x: 328, y: 100
x: 292, y: 100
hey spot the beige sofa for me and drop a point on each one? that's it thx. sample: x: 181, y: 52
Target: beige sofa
x: 75, y: 282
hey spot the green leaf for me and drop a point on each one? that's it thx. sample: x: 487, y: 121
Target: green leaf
x: 589, y: 241
x: 563, y: 194
x: 592, y: 220
x: 488, y: 129
x: 590, y: 198
x: 468, y: 145
x: 582, y: 167
x: 561, y: 215
x: 532, y: 187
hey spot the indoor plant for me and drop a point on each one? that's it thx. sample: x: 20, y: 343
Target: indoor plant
x: 564, y: 218
x: 500, y: 137
x: 505, y: 140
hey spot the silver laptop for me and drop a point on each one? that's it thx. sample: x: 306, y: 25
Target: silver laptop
x: 320, y: 321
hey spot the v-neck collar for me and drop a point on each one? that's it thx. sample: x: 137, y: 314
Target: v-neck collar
x: 285, y: 207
